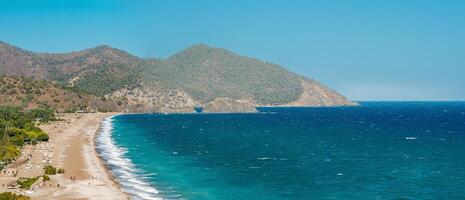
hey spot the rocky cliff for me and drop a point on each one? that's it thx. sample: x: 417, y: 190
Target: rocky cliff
x: 317, y: 95
x: 228, y: 105
x: 153, y: 99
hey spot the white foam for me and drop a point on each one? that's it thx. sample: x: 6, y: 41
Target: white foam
x: 121, y: 167
x: 410, y: 138
x: 266, y: 158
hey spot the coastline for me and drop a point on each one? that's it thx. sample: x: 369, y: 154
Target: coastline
x: 72, y: 144
x: 101, y: 161
x: 130, y: 179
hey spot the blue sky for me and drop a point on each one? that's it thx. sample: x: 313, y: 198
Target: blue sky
x: 367, y: 50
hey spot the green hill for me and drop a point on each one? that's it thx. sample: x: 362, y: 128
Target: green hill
x: 207, y: 73
x: 100, y: 70
x: 30, y: 94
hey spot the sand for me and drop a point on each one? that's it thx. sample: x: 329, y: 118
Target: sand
x: 71, y: 146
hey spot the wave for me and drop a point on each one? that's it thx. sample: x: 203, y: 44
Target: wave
x: 122, y: 168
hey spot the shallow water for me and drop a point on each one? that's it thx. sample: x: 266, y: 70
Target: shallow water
x: 380, y: 150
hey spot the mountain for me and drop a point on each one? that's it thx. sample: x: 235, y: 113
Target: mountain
x: 196, y: 76
x: 107, y: 68
x: 207, y: 73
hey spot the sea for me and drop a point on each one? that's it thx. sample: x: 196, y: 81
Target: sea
x: 378, y: 150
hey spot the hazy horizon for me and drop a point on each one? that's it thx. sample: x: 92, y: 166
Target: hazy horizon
x: 384, y: 50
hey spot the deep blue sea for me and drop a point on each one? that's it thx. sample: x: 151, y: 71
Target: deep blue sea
x: 379, y: 150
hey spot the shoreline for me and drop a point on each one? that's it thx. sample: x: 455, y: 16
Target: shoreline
x: 101, y: 161
x: 114, y: 158
x: 72, y: 146
x: 92, y: 179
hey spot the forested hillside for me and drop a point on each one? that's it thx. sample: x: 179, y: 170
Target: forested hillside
x: 207, y: 73
x: 31, y: 94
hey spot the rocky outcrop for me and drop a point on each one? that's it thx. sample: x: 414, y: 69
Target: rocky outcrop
x: 317, y: 95
x: 225, y: 105
x: 156, y: 99
x: 152, y: 99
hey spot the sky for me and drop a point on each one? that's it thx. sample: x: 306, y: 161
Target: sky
x: 366, y: 50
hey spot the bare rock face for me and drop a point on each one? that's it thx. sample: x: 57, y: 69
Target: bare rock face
x: 225, y: 105
x: 152, y: 99
x: 317, y: 95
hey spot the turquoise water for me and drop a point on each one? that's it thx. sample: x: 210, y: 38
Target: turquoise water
x: 380, y: 150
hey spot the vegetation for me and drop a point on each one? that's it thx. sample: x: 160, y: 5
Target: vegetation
x: 12, y: 196
x: 27, y: 182
x: 207, y: 73
x: 50, y: 170
x: 18, y: 127
x: 61, y: 171
x: 48, y: 97
x: 43, y: 115
x: 105, y: 80
x: 46, y: 178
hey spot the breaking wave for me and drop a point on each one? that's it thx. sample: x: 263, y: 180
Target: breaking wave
x: 122, y: 168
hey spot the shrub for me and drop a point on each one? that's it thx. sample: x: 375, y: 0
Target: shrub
x: 46, y: 178
x: 27, y: 182
x: 36, y: 135
x: 44, y: 115
x: 50, y: 170
x: 42, y: 137
x: 61, y: 171
x: 17, y: 140
x: 15, y: 132
x: 12, y: 196
x: 8, y: 152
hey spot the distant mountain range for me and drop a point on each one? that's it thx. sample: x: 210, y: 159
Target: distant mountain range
x: 199, y: 76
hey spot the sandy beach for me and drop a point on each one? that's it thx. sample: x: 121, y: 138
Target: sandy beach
x: 71, y: 147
